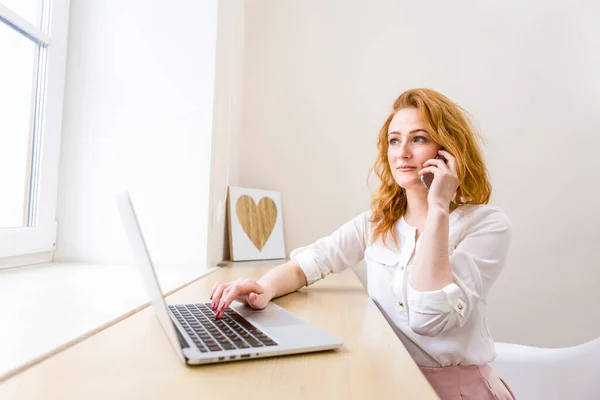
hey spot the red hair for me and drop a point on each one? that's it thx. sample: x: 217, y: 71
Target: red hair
x: 449, y: 126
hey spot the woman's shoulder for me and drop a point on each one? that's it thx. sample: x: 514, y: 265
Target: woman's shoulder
x: 364, y: 217
x: 483, y: 215
x: 360, y: 221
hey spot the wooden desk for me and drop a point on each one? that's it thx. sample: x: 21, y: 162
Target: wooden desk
x: 134, y: 360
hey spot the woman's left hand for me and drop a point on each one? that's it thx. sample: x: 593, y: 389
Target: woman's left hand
x: 445, y: 180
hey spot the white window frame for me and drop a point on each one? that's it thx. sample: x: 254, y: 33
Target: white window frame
x: 28, y: 245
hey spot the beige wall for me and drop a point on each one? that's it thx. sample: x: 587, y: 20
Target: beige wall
x: 225, y: 171
x: 138, y: 115
x: 319, y: 78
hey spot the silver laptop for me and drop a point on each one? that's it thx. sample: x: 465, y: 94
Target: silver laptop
x: 242, y: 333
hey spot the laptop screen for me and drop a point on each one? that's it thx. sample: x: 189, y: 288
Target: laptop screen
x: 142, y: 258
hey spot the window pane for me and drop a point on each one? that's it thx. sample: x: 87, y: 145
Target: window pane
x: 18, y: 67
x: 31, y: 10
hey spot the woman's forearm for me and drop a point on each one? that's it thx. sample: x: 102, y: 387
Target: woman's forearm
x: 283, y: 279
x: 432, y: 266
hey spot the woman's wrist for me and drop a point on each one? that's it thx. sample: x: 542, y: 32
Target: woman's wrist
x: 438, y: 211
x: 269, y: 291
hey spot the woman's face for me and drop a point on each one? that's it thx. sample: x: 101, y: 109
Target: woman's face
x: 409, y: 146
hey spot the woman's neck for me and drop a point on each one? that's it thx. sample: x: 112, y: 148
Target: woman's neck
x: 417, y: 208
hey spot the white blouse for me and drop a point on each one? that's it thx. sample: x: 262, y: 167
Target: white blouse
x: 438, y: 328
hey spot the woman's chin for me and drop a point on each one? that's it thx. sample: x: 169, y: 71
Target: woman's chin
x: 410, y: 184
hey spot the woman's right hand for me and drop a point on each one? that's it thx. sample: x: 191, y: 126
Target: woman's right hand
x: 243, y: 290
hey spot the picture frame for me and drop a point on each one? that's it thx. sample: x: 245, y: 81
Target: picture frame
x: 255, y: 224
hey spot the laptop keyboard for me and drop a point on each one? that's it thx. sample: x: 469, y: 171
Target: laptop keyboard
x: 232, y: 331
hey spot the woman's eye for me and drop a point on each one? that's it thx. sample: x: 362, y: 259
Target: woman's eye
x: 393, y: 141
x: 420, y: 139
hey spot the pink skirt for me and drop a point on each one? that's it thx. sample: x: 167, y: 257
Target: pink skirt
x: 467, y: 382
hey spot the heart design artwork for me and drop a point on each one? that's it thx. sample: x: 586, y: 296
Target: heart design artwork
x: 257, y: 221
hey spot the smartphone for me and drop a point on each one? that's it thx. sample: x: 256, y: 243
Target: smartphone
x: 427, y: 179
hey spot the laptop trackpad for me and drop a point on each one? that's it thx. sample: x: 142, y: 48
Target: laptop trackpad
x: 272, y: 317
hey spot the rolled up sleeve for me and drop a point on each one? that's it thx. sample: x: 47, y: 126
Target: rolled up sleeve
x: 342, y: 249
x: 308, y: 263
x: 476, y: 263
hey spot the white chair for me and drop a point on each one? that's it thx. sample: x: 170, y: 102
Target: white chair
x: 534, y: 373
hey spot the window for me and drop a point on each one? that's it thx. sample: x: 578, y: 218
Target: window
x: 33, y: 42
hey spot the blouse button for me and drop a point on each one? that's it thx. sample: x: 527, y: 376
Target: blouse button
x: 459, y: 306
x: 400, y: 303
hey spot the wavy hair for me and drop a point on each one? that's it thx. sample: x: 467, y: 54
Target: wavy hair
x: 450, y: 127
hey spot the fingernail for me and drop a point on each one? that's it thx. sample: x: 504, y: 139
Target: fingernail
x: 210, y: 297
x: 214, y: 306
x: 222, y: 305
x: 218, y: 314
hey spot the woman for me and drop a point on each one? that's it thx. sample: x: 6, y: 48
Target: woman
x: 432, y: 254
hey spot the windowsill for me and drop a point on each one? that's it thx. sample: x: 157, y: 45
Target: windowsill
x: 48, y: 307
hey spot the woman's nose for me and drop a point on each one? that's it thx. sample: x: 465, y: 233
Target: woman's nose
x: 403, y: 152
